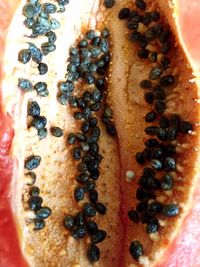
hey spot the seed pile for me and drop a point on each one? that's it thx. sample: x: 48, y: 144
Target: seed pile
x: 159, y: 155
x: 88, y: 64
x: 39, y: 20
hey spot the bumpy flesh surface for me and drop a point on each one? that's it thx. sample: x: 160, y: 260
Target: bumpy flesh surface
x: 54, y: 246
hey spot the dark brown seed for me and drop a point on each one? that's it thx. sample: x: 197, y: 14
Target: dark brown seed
x: 140, y: 4
x: 133, y: 216
x: 149, y: 97
x: 124, y: 13
x: 166, y: 47
x: 109, y: 3
x: 136, y: 249
x: 143, y: 53
x: 151, y: 116
x: 146, y: 84
x: 167, y: 80
x: 56, y: 131
x: 155, y: 73
x: 93, y: 253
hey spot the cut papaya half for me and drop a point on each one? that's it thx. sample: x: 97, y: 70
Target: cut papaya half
x: 99, y: 139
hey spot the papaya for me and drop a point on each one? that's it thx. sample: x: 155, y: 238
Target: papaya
x: 99, y: 138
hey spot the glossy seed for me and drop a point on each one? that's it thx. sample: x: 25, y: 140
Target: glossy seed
x: 169, y: 164
x: 133, y: 216
x: 39, y: 122
x: 154, y: 208
x: 141, y: 206
x: 140, y: 158
x: 25, y: 85
x: 48, y: 48
x: 34, y: 191
x: 55, y: 24
x: 51, y: 37
x: 153, y: 56
x: 185, y: 127
x: 151, y: 143
x: 71, y: 139
x: 33, y: 109
x: 93, y: 252
x: 135, y: 36
x: 155, y: 73
x: 42, y: 133
x: 136, y: 249
x: 43, y: 68
x: 78, y: 233
x: 69, y: 222
x: 100, y: 208
x: 76, y: 153
x: 82, y: 177
x: 36, y: 53
x: 24, y: 56
x: 157, y: 164
x: 91, y: 227
x: 151, y: 130
x: 124, y: 13
x: 93, y: 196
x: 39, y: 224
x: 43, y: 213
x: 79, y: 193
x: 79, y: 219
x: 56, y: 131
x: 41, y: 88
x: 167, y: 80
x: 29, y: 23
x: 164, y: 122
x: 35, y: 203
x: 152, y: 226
x: 151, y: 116
x: 49, y: 8
x: 81, y: 137
x: 140, y: 4
x: 172, y: 133
x: 111, y: 129
x: 29, y: 11
x: 145, y: 84
x: 89, y: 210
x: 170, y: 210
x: 32, y: 162
x: 165, y: 35
x: 98, y: 236
x: 167, y: 182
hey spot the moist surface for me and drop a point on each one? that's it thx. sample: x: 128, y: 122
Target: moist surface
x: 55, y: 175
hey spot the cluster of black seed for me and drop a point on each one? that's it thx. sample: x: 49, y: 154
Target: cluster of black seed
x: 39, y: 20
x: 159, y: 154
x: 88, y: 65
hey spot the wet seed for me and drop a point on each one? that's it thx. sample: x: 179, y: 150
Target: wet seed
x: 165, y: 36
x: 35, y: 203
x: 147, y: 19
x: 35, y: 53
x: 25, y: 85
x: 93, y: 196
x: 82, y: 177
x: 34, y: 191
x: 149, y: 97
x: 152, y: 226
x: 133, y: 25
x: 141, y: 207
x: 146, y: 84
x: 39, y: 224
x: 49, y: 8
x: 98, y: 236
x: 79, y: 219
x: 135, y: 36
x: 71, y: 139
x: 67, y: 86
x: 90, y: 34
x: 91, y: 227
x: 24, y: 56
x: 160, y: 107
x: 43, y: 213
x: 164, y: 122
x: 153, y: 56
x: 93, y: 122
x: 33, y: 108
x: 167, y: 182
x: 150, y: 143
x: 43, y: 68
x: 151, y: 116
x: 48, y: 48
x: 111, y: 129
x: 124, y: 13
x: 100, y: 208
x: 76, y: 153
x: 88, y: 210
x: 143, y: 53
x: 89, y: 185
x: 82, y: 167
x: 136, y: 249
x: 167, y: 80
x: 155, y: 73
x: 32, y: 162
x: 170, y: 210
x: 83, y: 43
x: 93, y: 252
x: 73, y: 101
x: 51, y: 37
x: 79, y: 193
x: 81, y: 137
x: 105, y: 33
x: 185, y: 127
x: 87, y: 113
x: 29, y: 11
x: 154, y: 208
x: 172, y: 134
x: 151, y: 130
x: 157, y: 164
x: 133, y: 216
x: 41, y: 88
x: 169, y: 164
x: 29, y: 23
x: 165, y: 63
x: 39, y: 122
x: 42, y: 133
x: 56, y: 131
x: 78, y: 233
x: 140, y: 158
x: 69, y: 222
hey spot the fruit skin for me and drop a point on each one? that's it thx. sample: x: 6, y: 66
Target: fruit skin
x: 185, y: 250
